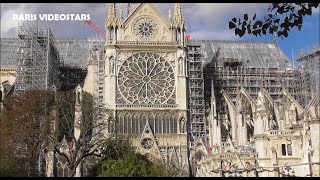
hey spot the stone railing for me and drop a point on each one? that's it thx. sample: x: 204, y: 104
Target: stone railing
x: 223, y: 155
x: 226, y: 156
x: 146, y: 43
x: 224, y: 144
x: 146, y: 105
x: 278, y: 132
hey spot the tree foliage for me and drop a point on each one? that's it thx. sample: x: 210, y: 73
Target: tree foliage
x: 131, y: 165
x: 7, y: 159
x: 120, y: 160
x: 66, y: 108
x: 280, y: 19
x: 24, y: 130
x: 38, y: 121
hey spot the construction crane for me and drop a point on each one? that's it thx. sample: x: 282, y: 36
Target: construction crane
x: 96, y: 28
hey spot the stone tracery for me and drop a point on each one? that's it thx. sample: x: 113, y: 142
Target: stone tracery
x: 160, y: 122
x: 147, y: 143
x: 145, y: 28
x: 146, y: 78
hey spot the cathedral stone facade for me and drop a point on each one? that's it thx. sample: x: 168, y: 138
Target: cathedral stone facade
x: 145, y: 82
x: 203, y: 107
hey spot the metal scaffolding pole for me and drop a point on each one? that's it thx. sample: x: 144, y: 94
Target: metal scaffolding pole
x: 197, y: 121
x: 37, y: 59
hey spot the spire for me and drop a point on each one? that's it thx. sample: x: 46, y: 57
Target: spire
x: 177, y: 16
x: 112, y: 16
x: 128, y: 9
x: 275, y: 38
x: 177, y: 9
x: 112, y: 10
x: 212, y: 91
x: 131, y: 7
x: 121, y: 14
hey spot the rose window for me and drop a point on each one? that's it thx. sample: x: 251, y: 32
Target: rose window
x: 147, y: 143
x: 145, y: 28
x: 146, y: 78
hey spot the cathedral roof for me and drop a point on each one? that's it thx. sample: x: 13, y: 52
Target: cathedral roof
x: 73, y: 52
x: 9, y: 48
x: 315, y: 102
x: 249, y: 54
x: 76, y: 52
x: 252, y: 54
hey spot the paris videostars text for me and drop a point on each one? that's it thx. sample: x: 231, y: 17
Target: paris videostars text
x: 51, y: 17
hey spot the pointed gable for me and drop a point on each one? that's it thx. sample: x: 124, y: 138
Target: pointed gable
x: 146, y: 23
x: 148, y: 143
x: 142, y: 8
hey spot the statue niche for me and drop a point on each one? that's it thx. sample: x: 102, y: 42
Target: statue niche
x: 273, y: 123
x: 182, y: 125
x: 180, y: 61
x: 111, y: 60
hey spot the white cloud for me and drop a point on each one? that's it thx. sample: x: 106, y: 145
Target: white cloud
x: 61, y: 29
x: 218, y: 13
x: 203, y: 20
x: 8, y: 26
x: 316, y: 10
x: 217, y: 35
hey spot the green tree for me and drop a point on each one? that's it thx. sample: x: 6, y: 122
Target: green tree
x: 7, y: 159
x: 37, y: 121
x: 88, y: 143
x: 131, y: 165
x: 280, y: 19
x: 120, y: 160
x: 24, y: 131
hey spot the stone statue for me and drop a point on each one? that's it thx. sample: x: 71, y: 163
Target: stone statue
x: 272, y: 123
x: 181, y: 65
x: 182, y: 125
x: 260, y: 100
x: 111, y: 65
x: 79, y: 94
x: 292, y: 115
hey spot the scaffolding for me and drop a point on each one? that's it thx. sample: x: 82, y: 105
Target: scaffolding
x: 101, y: 67
x: 73, y: 54
x: 98, y: 49
x: 310, y: 62
x: 37, y: 59
x: 197, y: 123
x: 251, y: 65
x: 252, y: 79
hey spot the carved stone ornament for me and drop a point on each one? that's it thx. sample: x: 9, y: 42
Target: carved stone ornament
x: 145, y: 28
x: 147, y: 143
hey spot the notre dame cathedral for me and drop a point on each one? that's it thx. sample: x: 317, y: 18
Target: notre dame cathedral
x: 145, y: 81
x: 201, y: 106
x: 209, y: 108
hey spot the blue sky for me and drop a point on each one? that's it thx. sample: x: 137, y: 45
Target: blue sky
x: 204, y: 21
x: 297, y: 40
